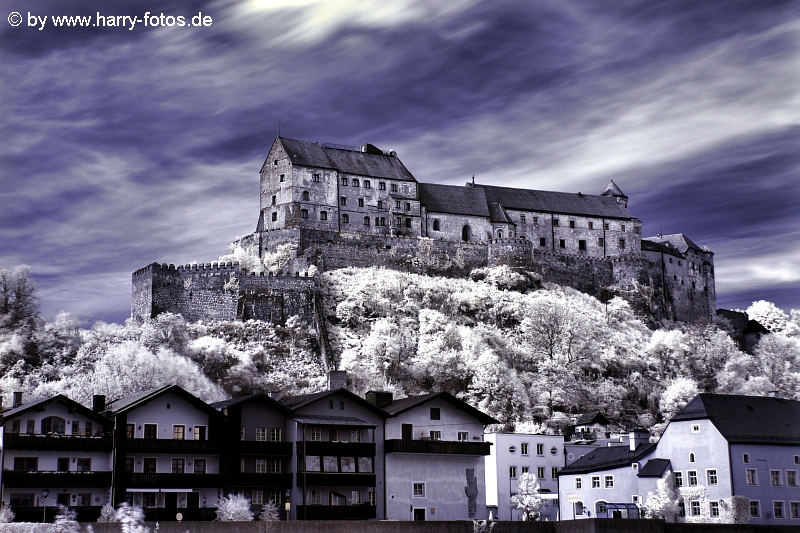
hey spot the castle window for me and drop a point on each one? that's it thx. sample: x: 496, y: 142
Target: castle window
x: 380, y: 204
x: 381, y: 185
x: 275, y: 163
x: 591, y: 225
x: 367, y: 184
x: 304, y: 213
x: 394, y: 187
x: 323, y: 215
x: 274, y: 199
x: 600, y: 242
x: 315, y: 179
x: 366, y: 221
x: 283, y: 178
x: 305, y: 196
x: 581, y: 245
x: 397, y: 204
x: 383, y: 221
x: 555, y: 222
x: 622, y: 244
x: 693, y: 285
x: 499, y: 234
x: 408, y: 222
x: 345, y: 218
x: 343, y: 200
x: 436, y: 225
x: 622, y: 227
x: 344, y: 181
x: 572, y: 224
x: 670, y: 260
x: 408, y: 206
x: 522, y: 219
x: 562, y: 243
x: 542, y: 241
x: 605, y: 226
x: 675, y: 277
x: 360, y: 202
x: 680, y: 263
x: 637, y: 229
x: 275, y: 216
x: 535, y: 221
x: 355, y: 183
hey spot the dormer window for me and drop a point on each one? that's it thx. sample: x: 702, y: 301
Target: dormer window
x: 695, y: 428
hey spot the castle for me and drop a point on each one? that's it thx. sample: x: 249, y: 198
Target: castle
x: 335, y: 206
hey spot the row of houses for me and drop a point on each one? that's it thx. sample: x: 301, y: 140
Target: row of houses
x: 336, y: 455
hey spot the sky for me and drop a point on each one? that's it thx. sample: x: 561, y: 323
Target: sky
x: 136, y: 143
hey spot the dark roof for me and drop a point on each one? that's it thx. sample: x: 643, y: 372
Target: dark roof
x: 654, y: 468
x: 333, y: 420
x: 132, y: 402
x: 400, y: 406
x: 607, y: 458
x: 591, y: 418
x: 453, y: 199
x: 262, y: 398
x: 742, y: 419
x: 555, y: 202
x: 652, y: 246
x: 301, y: 400
x: 678, y: 241
x: 498, y: 214
x: 349, y: 161
x: 60, y: 398
x: 754, y: 326
x: 613, y: 190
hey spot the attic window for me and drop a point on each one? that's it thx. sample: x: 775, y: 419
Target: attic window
x: 275, y: 163
x: 572, y: 224
x: 622, y: 227
x: 555, y: 222
x: 436, y: 413
x: 695, y: 428
x: 381, y: 186
x: 394, y: 187
x: 315, y: 178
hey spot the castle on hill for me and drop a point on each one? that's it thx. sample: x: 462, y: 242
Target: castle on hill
x: 336, y: 207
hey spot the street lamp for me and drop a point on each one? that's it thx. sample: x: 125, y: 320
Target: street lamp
x: 45, y: 493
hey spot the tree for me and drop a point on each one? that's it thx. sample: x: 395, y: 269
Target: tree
x: 65, y: 521
x: 234, y: 508
x: 270, y: 515
x: 6, y: 515
x: 677, y: 394
x: 107, y: 514
x: 132, y: 519
x: 663, y: 502
x: 527, y: 499
x: 768, y: 315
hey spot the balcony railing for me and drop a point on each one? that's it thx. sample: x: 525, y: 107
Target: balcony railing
x: 263, y: 447
x: 246, y: 479
x: 174, y: 481
x: 36, y: 514
x: 69, y: 443
x: 346, y: 449
x: 171, y: 446
x: 335, y: 479
x: 197, y: 514
x: 335, y: 512
x: 22, y: 478
x: 444, y: 447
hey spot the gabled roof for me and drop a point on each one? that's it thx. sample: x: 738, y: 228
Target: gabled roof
x: 498, y: 214
x: 349, y: 161
x: 747, y: 419
x: 613, y: 190
x: 555, y: 202
x: 677, y: 241
x: 607, y: 458
x: 592, y: 417
x: 129, y: 403
x: 453, y: 199
x: 301, y: 400
x: 259, y: 398
x: 58, y: 398
x: 654, y: 468
x: 652, y: 246
x: 400, y: 406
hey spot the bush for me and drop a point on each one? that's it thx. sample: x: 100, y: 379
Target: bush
x: 234, y: 508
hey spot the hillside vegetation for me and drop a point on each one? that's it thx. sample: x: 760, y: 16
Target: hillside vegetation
x: 521, y: 352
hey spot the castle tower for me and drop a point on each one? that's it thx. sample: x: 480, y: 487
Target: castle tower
x: 614, y: 191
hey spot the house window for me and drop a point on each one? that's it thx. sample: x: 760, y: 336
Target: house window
x: 261, y: 434
x: 463, y: 436
x: 562, y: 243
x: 275, y: 434
x: 578, y: 483
x: 130, y: 430
x: 678, y: 479
x: 380, y: 204
x: 53, y: 424
x: 408, y: 206
x: 436, y: 413
x: 383, y: 221
x: 578, y: 508
x: 581, y: 245
x: 755, y: 509
x: 572, y: 224
x: 695, y: 428
x: 712, y: 476
x: 315, y: 498
x: 355, y: 497
x: 129, y: 462
x: 436, y: 435
x: 777, y: 509
x: 76, y: 427
x: 525, y: 469
x: 274, y: 466
x: 381, y: 186
x: 791, y: 478
x: 595, y: 482
x: 713, y: 509
x: 178, y: 466
x: 333, y: 434
x: 691, y: 457
x: 394, y: 187
x: 275, y: 216
x: 512, y: 472
x: 257, y: 497
x: 794, y: 509
x: 397, y: 204
x: 282, y: 178
x: 305, y: 196
x: 242, y: 434
x: 555, y: 222
x: 408, y: 222
x: 750, y: 476
x: 540, y: 472
x: 622, y: 227
x: 345, y: 218
x: 681, y: 509
x: 535, y: 221
x: 692, y: 474
x: 344, y: 182
x: 84, y: 465
x: 313, y: 463
x: 199, y: 466
x: 591, y: 225
x: 355, y: 435
x: 419, y: 490
x: 150, y: 431
x: 367, y: 184
x: 609, y: 482
x: 605, y: 226
x: 316, y: 434
x: 522, y: 219
x: 149, y: 465
x: 275, y: 497
x: 199, y: 433
x: 600, y: 242
x: 323, y: 215
x: 343, y: 200
x: 540, y: 449
x: 436, y: 225
x: 21, y: 499
x: 542, y: 241
x: 315, y: 179
x: 366, y: 221
x: 621, y: 244
x: 360, y: 202
x: 554, y: 472
x: 354, y: 183
x: 304, y: 213
x: 775, y: 478
x: 695, y: 507
x: 746, y: 458
x: 524, y: 448
x: 797, y: 459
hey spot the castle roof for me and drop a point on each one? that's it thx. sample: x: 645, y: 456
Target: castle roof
x: 613, y: 190
x: 555, y: 202
x: 678, y: 241
x: 453, y: 199
x: 348, y: 161
x: 652, y: 246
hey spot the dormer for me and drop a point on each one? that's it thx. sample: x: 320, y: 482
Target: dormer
x: 615, y: 192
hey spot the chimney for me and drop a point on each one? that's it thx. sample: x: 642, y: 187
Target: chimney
x: 379, y: 398
x: 99, y: 403
x: 638, y: 436
x: 774, y: 394
x: 274, y: 395
x: 17, y: 399
x: 337, y: 379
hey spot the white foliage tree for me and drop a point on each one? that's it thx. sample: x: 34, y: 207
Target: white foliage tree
x: 107, y: 514
x: 663, y: 502
x: 768, y: 315
x: 677, y: 394
x: 132, y: 519
x: 528, y: 499
x: 234, y: 507
x: 65, y: 521
x: 270, y: 515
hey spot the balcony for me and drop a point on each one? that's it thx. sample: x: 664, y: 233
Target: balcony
x: 162, y: 514
x: 171, y: 446
x: 341, y: 449
x: 174, y: 481
x: 22, y: 478
x: 35, y: 514
x: 263, y: 447
x: 67, y: 443
x: 335, y: 479
x: 335, y: 512
x: 246, y: 479
x: 443, y: 447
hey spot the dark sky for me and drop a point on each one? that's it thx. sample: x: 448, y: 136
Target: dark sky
x: 122, y: 147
